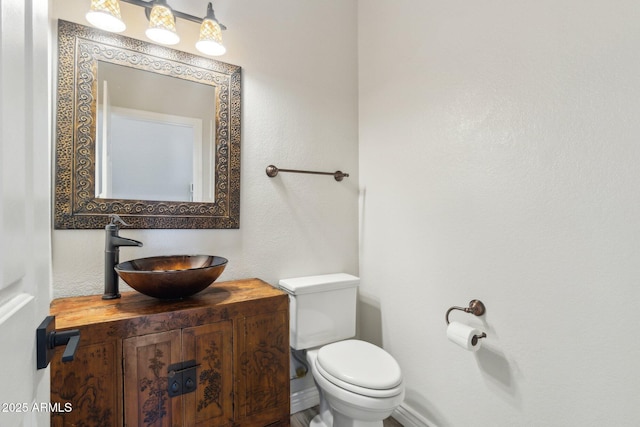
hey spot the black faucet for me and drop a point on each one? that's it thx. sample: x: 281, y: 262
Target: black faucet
x: 112, y: 255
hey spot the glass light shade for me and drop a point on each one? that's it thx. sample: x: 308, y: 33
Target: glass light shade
x: 210, y: 42
x: 162, y: 25
x: 105, y: 14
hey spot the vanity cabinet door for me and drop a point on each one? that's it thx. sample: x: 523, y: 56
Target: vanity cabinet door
x: 211, y: 346
x: 146, y: 380
x: 86, y: 389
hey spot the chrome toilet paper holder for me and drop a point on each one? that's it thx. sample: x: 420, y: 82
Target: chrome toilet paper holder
x: 477, y: 308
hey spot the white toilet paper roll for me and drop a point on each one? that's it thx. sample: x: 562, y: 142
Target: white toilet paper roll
x: 461, y: 334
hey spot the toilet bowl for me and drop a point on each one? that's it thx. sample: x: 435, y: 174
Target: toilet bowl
x: 359, y: 384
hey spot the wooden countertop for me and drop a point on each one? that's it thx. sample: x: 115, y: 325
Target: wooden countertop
x: 74, y: 312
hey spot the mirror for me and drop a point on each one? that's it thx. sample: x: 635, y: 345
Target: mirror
x: 144, y: 131
x: 154, y: 138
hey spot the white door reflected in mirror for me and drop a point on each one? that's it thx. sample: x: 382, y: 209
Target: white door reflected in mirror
x: 149, y: 156
x: 154, y: 137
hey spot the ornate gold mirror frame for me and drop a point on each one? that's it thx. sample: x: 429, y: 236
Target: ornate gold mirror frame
x: 75, y: 204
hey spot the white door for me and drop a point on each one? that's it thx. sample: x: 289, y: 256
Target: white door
x: 103, y: 156
x: 25, y: 245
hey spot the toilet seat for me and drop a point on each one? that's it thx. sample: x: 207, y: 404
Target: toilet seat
x: 360, y: 367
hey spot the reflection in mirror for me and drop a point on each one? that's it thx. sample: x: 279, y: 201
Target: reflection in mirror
x: 154, y: 136
x: 147, y: 132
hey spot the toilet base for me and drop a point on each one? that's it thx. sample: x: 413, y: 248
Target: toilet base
x: 340, y: 421
x: 325, y: 416
x: 317, y: 422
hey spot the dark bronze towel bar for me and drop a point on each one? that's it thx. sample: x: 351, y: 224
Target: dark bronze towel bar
x: 273, y: 171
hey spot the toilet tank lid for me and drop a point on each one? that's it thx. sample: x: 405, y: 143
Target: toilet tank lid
x: 321, y: 283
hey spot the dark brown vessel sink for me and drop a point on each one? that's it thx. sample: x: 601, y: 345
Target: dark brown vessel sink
x: 171, y: 277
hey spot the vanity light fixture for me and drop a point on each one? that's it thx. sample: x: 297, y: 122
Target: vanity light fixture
x: 162, y: 24
x: 105, y: 14
x: 210, y: 42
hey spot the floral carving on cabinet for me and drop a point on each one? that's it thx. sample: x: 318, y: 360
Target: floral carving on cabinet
x: 154, y: 407
x: 211, y: 378
x: 267, y: 365
x: 264, y: 360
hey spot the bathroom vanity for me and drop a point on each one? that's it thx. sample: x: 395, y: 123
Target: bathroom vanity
x: 220, y: 358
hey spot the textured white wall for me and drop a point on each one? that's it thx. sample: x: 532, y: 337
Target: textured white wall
x: 509, y: 136
x: 299, y: 111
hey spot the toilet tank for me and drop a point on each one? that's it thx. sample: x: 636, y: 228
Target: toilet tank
x: 322, y: 309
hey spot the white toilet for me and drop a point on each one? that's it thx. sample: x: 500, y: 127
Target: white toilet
x: 359, y: 383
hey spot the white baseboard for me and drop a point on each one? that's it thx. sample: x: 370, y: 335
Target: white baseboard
x: 408, y: 417
x: 304, y: 399
x: 308, y: 398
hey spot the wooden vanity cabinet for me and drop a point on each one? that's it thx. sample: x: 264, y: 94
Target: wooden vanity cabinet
x: 231, y: 341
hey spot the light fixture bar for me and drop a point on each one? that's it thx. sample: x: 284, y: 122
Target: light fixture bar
x: 105, y: 14
x: 148, y: 5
